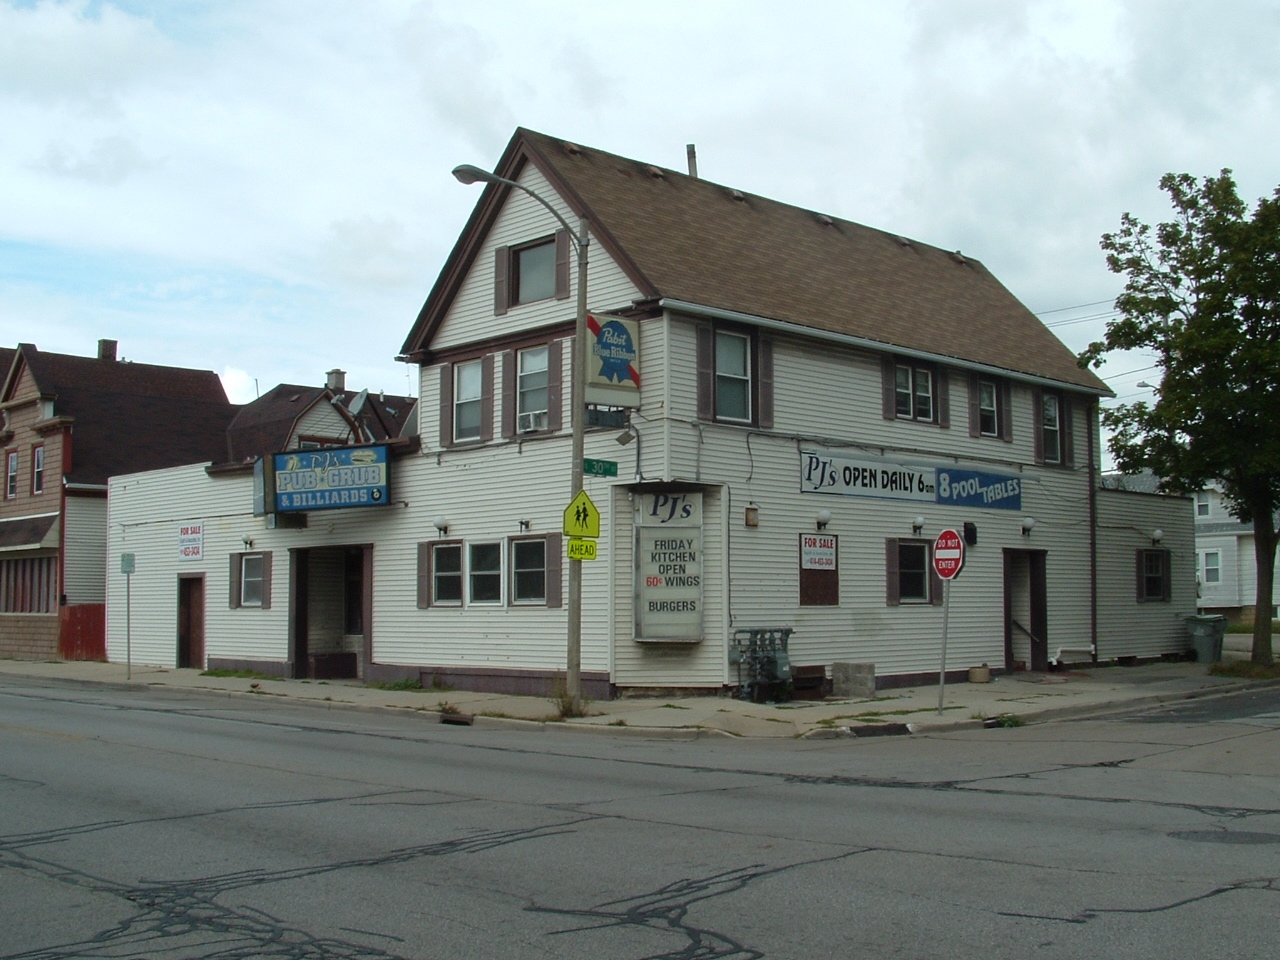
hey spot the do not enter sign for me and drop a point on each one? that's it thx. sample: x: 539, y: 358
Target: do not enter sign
x: 948, y: 554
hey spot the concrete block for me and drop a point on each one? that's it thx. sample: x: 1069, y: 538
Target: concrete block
x: 853, y: 680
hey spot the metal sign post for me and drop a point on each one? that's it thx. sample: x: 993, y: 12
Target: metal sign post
x: 948, y: 559
x: 127, y: 563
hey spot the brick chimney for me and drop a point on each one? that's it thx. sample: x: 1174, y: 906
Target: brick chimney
x: 107, y: 349
x: 337, y: 380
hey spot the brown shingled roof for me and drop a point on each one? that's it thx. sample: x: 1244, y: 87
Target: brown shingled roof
x: 129, y: 417
x: 692, y: 240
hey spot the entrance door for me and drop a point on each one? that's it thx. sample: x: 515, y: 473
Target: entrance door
x: 191, y: 622
x: 1026, y: 610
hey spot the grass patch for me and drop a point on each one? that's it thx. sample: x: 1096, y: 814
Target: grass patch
x: 404, y: 683
x: 1006, y: 720
x: 1248, y: 627
x: 672, y: 706
x: 620, y: 722
x: 447, y: 707
x: 1245, y: 670
x: 240, y: 674
x: 565, y: 705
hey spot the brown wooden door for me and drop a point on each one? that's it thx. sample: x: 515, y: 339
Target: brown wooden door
x: 191, y: 622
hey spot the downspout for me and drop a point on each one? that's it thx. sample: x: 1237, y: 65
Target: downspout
x: 1092, y: 414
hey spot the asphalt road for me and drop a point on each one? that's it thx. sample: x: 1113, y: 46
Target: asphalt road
x: 166, y: 825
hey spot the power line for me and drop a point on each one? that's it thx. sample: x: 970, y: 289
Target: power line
x: 1078, y: 306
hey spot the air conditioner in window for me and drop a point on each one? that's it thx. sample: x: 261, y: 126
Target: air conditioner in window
x: 529, y: 422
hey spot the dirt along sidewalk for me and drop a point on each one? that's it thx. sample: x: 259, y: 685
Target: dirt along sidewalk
x: 1004, y: 701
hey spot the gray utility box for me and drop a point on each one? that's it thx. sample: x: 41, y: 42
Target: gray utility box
x: 1207, y: 631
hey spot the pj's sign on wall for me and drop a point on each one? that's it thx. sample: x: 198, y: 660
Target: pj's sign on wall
x: 831, y: 471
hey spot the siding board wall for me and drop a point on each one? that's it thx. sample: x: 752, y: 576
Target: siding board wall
x: 86, y: 550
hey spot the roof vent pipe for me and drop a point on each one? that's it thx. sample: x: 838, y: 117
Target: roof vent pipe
x: 337, y: 380
x: 107, y: 349
x: 692, y: 152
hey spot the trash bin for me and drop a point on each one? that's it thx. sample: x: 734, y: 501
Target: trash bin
x: 1206, y: 632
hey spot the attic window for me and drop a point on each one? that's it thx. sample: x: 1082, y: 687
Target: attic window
x: 655, y: 172
x: 295, y: 398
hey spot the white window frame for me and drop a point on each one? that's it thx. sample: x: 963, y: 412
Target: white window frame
x: 11, y: 475
x: 1215, y: 568
x: 735, y: 378
x: 530, y: 417
x: 991, y: 410
x: 246, y: 580
x: 912, y: 388
x: 1202, y: 503
x: 518, y: 271
x: 37, y: 470
x: 517, y: 570
x: 458, y: 575
x: 461, y: 401
x: 1051, y: 453
x: 496, y: 574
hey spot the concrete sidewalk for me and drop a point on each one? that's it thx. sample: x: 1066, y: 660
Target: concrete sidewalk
x: 1025, y: 697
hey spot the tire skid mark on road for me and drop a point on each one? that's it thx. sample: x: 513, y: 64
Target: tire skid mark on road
x: 666, y: 909
x: 185, y: 918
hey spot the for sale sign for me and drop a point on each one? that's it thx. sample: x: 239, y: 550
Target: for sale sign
x: 191, y: 540
x: 948, y: 554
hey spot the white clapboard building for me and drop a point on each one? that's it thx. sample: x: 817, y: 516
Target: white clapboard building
x: 796, y: 407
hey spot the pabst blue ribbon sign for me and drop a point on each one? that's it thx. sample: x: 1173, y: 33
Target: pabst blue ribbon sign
x: 849, y: 475
x: 613, y: 374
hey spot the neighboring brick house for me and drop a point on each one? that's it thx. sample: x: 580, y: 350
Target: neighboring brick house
x: 70, y: 423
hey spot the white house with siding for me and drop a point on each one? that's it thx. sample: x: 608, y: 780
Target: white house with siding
x: 797, y: 406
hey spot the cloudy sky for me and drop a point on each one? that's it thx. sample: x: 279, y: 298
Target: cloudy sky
x: 262, y: 188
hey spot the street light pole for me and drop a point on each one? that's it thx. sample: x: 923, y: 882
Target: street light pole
x: 468, y: 174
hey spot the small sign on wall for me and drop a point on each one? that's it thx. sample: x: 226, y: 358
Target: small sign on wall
x: 819, y: 570
x: 191, y: 540
x: 817, y: 551
x: 669, y: 567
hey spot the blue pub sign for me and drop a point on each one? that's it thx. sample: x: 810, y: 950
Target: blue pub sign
x: 330, y: 479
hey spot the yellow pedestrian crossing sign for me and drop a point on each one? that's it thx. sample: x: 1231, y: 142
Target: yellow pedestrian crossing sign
x: 581, y: 518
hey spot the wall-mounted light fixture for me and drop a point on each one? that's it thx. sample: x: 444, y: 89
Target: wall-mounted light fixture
x: 247, y: 541
x: 441, y: 523
x: 823, y: 518
x: 1027, y: 524
x: 1156, y: 536
x: 525, y: 524
x: 917, y: 525
x: 752, y: 515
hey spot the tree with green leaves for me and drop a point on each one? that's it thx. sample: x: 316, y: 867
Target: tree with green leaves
x: 1202, y: 292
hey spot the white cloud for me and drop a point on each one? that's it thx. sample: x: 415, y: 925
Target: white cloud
x: 239, y: 385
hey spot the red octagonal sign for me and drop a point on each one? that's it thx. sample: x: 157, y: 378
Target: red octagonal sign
x: 948, y: 554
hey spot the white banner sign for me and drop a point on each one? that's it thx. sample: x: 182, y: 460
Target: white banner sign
x: 669, y: 566
x: 830, y: 472
x: 817, y: 551
x: 191, y: 541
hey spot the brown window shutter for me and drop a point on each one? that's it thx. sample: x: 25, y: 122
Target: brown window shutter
x: 892, y: 587
x: 1037, y: 422
x: 509, y: 387
x: 935, y: 582
x: 555, y: 386
x: 706, y: 363
x: 501, y: 280
x: 765, y: 404
x: 486, y: 398
x: 234, y: 600
x: 1068, y: 445
x: 562, y: 264
x: 888, y: 387
x: 975, y: 411
x: 555, y: 563
x: 266, y: 580
x: 446, y: 404
x: 424, y: 576
x: 1003, y: 390
x: 942, y: 377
